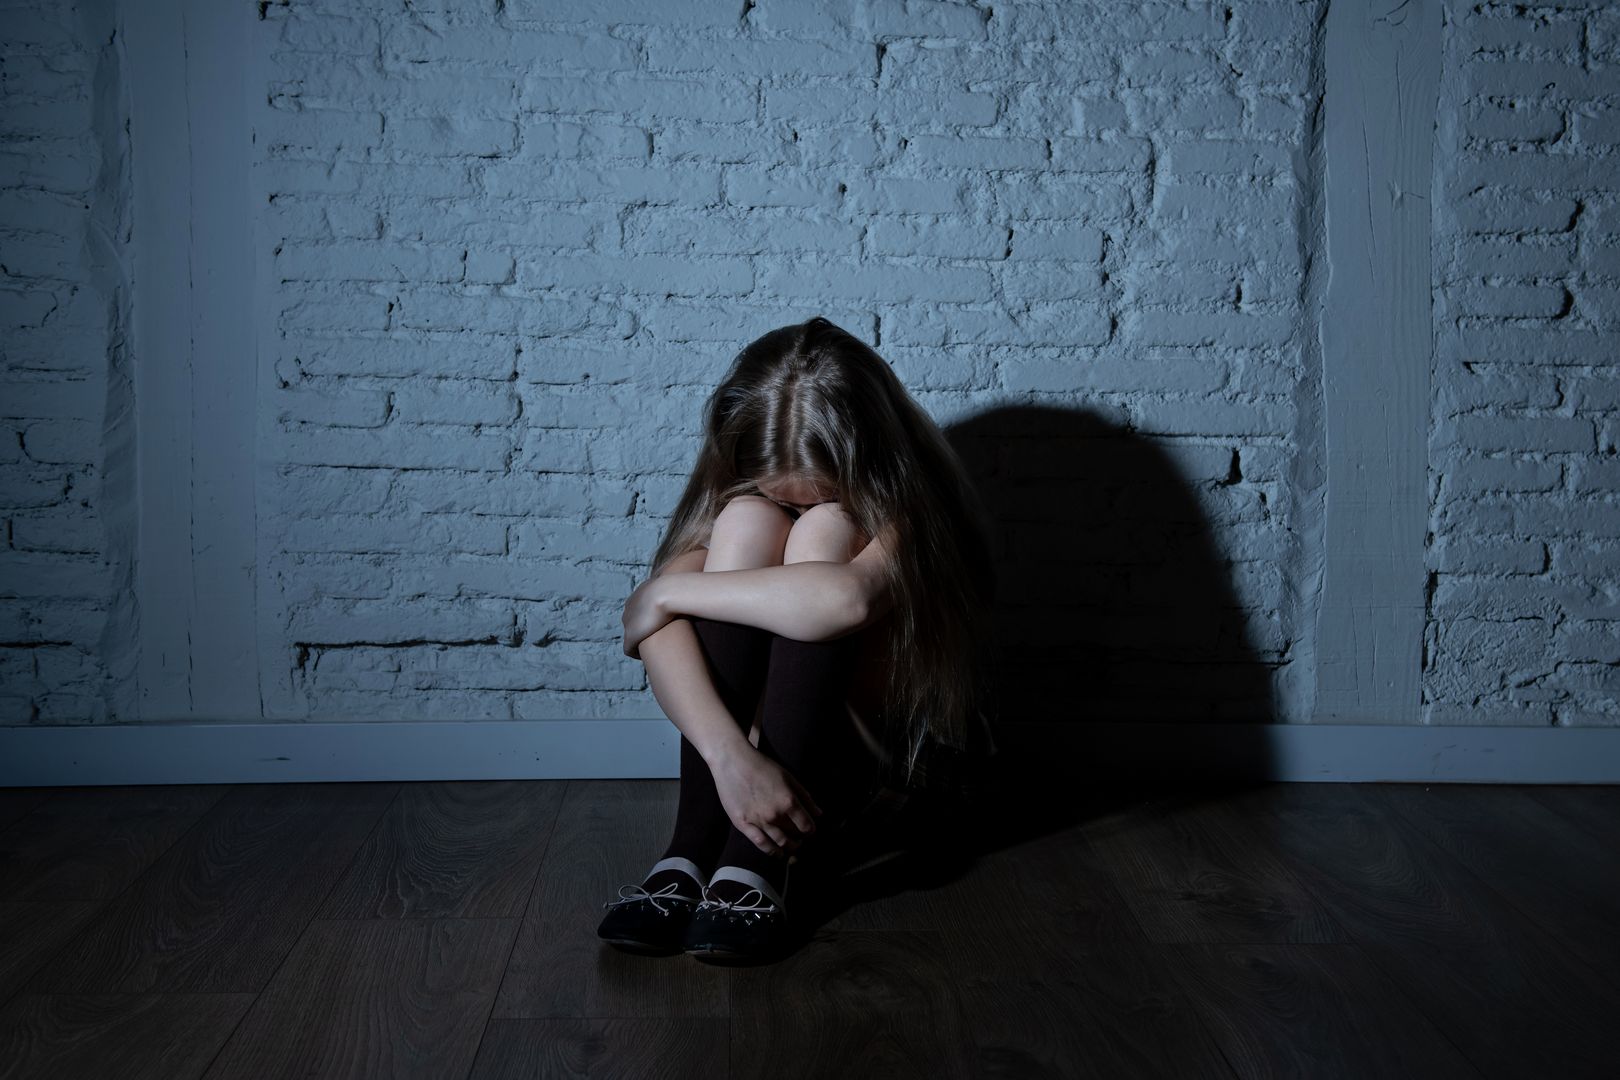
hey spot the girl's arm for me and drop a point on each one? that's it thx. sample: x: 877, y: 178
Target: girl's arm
x: 806, y: 601
x: 680, y: 680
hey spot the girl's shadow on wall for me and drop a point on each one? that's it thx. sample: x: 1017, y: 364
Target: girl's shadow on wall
x: 1118, y: 628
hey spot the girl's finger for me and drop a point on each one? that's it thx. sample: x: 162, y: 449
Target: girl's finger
x: 757, y: 838
x: 803, y: 821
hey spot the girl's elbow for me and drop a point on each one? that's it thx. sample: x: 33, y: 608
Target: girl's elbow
x: 860, y: 610
x: 855, y: 610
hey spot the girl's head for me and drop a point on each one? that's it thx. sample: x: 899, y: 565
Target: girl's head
x: 808, y: 413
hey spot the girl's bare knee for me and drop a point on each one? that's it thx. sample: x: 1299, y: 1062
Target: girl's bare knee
x: 749, y: 531
x: 824, y: 533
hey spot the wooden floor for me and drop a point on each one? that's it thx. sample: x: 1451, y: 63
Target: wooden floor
x: 448, y: 930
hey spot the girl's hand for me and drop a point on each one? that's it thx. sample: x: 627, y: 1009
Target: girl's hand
x: 765, y: 802
x: 645, y: 613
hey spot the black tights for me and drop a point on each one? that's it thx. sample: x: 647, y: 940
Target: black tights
x: 804, y: 727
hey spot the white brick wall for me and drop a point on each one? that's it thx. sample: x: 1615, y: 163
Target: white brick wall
x: 510, y: 247
x: 590, y: 209
x: 63, y: 206
x: 1525, y: 541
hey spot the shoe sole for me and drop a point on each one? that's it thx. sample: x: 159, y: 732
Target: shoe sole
x: 632, y: 945
x: 728, y: 957
x: 716, y: 954
x: 723, y: 955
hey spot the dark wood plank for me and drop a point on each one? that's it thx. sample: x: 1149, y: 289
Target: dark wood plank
x: 30, y: 933
x: 374, y: 997
x: 130, y: 1036
x: 608, y: 833
x: 220, y: 909
x: 873, y: 1003
x: 1192, y: 872
x: 89, y: 843
x: 1034, y: 884
x: 1378, y: 876
x: 1592, y: 807
x: 1321, y: 1011
x: 1044, y: 1006
x: 1505, y: 993
x: 17, y: 801
x: 1562, y: 878
x: 692, y: 1048
x: 1522, y: 1007
x: 451, y: 850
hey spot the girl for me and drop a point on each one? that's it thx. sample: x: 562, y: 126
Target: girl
x: 815, y: 618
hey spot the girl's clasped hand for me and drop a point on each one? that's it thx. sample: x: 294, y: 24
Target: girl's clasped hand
x: 767, y: 803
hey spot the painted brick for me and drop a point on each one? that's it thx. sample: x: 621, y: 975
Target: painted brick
x: 1479, y: 475
x: 1495, y: 33
x: 1162, y: 375
x: 896, y: 282
x: 762, y: 57
x: 646, y: 96
x: 1139, y: 22
x: 418, y: 534
x: 1548, y: 434
x: 507, y: 46
x: 1494, y: 210
x: 452, y: 136
x: 975, y: 152
x: 808, y: 17
x: 1539, y: 79
x: 665, y: 231
x: 457, y: 401
x: 633, y: 12
x: 1194, y: 417
x: 878, y: 194
x: 1513, y: 122
x: 321, y: 131
x: 781, y: 188
x: 319, y: 32
x: 686, y: 185
x: 77, y: 533
x: 362, y: 408
x: 399, y: 446
x: 363, y: 261
x: 1129, y: 155
x: 654, y: 274
x: 1061, y: 197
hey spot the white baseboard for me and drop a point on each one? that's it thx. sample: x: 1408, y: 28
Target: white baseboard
x: 1342, y: 753
x: 207, y: 753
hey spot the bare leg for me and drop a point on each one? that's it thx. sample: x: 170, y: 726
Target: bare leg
x: 748, y: 533
x: 805, y: 725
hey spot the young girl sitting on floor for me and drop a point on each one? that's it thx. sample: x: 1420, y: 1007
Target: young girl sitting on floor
x: 815, y: 626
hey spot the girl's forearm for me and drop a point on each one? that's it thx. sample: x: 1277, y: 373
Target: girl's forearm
x: 678, y: 673
x: 680, y: 680
x: 805, y: 601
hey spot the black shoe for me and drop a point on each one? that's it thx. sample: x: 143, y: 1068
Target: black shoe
x: 755, y: 926
x: 652, y: 922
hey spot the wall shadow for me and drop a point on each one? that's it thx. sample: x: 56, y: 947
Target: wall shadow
x: 1117, y: 628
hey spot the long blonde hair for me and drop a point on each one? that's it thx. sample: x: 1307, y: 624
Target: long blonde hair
x: 814, y: 400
